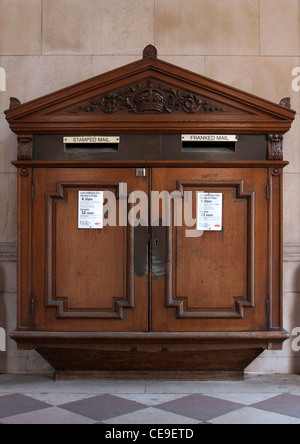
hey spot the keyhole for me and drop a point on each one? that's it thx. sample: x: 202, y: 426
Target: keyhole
x: 156, y: 243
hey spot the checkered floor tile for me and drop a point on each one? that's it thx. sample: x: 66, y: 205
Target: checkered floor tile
x: 66, y: 403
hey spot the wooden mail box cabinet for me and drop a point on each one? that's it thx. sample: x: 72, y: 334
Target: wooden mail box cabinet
x: 150, y: 296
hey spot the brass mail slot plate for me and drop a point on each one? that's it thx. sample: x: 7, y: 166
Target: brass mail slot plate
x: 209, y: 138
x: 91, y: 139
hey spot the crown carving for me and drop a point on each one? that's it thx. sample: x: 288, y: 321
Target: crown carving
x: 152, y: 99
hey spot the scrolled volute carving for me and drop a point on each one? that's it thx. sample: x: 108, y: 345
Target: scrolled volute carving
x: 152, y: 99
x: 286, y: 102
x: 14, y: 102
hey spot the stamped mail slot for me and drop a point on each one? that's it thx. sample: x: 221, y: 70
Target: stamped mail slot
x: 91, y: 144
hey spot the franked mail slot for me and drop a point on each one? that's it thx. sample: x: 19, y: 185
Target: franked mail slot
x: 209, y: 143
x: 91, y: 144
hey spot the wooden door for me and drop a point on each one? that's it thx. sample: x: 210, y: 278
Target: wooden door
x: 218, y: 280
x: 85, y: 279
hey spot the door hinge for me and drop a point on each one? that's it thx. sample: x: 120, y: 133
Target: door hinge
x: 32, y: 306
x: 268, y: 307
x: 268, y: 192
x: 32, y: 192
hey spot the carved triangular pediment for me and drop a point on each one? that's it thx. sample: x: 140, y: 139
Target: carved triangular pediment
x: 149, y: 95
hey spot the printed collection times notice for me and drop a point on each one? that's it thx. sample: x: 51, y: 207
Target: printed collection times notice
x: 209, y: 211
x: 90, y: 209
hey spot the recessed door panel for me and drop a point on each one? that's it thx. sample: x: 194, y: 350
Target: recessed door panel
x: 88, y: 274
x: 214, y: 274
x: 95, y: 255
x: 214, y: 280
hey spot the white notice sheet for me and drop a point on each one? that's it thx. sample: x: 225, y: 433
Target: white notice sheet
x: 209, y: 211
x: 90, y: 209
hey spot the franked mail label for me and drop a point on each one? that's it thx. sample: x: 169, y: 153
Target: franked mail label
x: 209, y: 138
x: 209, y: 211
x: 90, y: 209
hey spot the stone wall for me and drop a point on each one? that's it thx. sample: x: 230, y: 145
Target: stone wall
x: 46, y: 45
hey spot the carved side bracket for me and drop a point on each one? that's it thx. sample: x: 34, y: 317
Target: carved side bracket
x: 25, y: 147
x: 275, y: 147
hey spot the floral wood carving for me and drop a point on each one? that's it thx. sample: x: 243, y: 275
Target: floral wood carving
x: 25, y: 147
x: 275, y: 147
x: 152, y: 99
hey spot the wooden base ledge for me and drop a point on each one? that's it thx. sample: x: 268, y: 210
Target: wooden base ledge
x: 48, y: 337
x: 150, y: 376
x: 150, y: 352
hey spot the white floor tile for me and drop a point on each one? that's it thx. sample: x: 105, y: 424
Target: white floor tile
x: 37, y: 385
x: 151, y: 416
x: 249, y: 415
x: 151, y: 400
